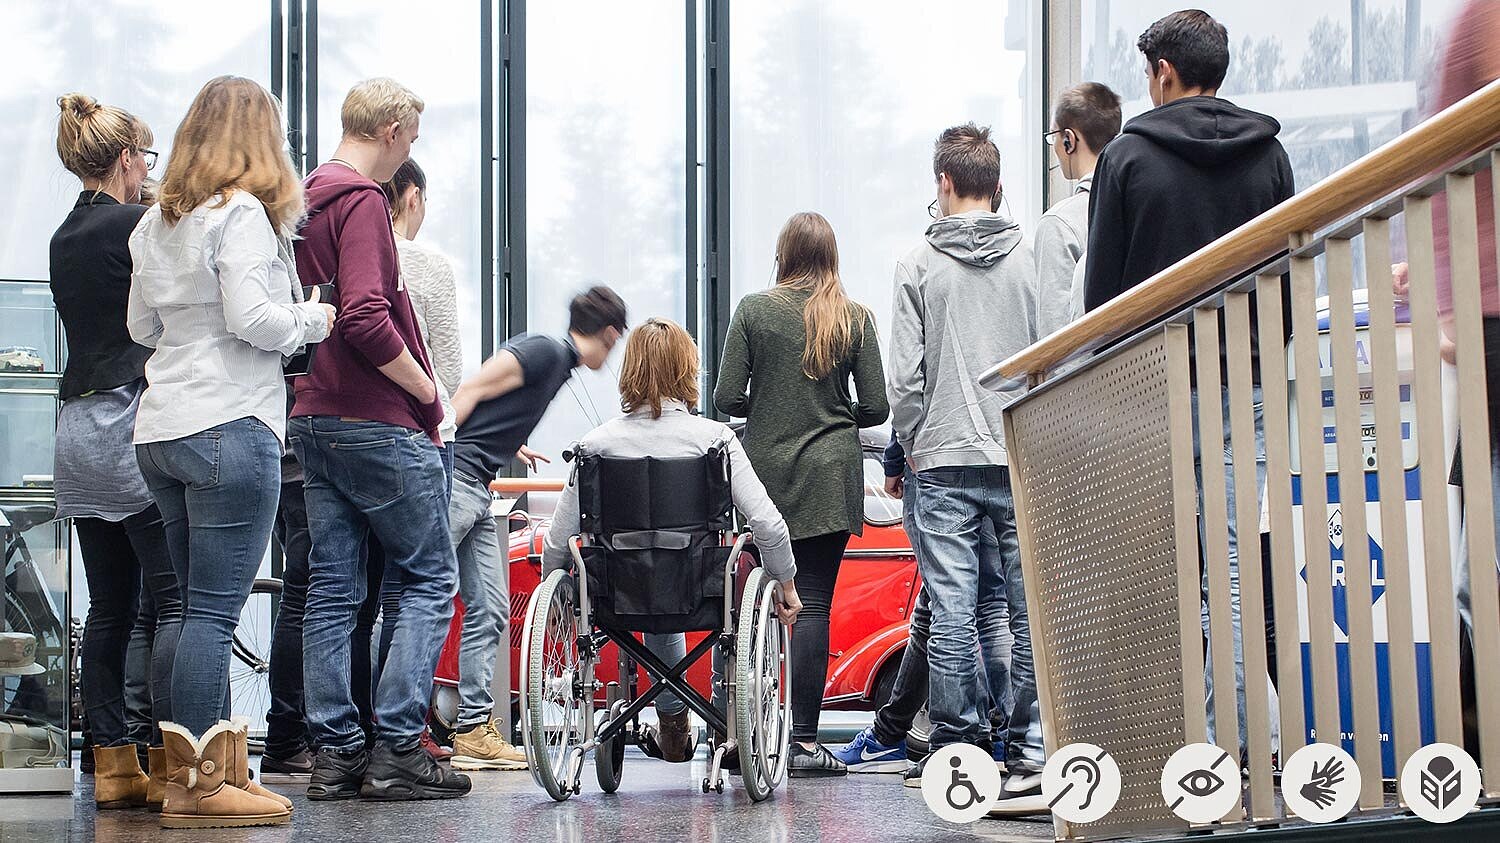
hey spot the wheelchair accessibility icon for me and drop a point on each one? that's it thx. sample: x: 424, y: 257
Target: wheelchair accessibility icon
x: 960, y: 783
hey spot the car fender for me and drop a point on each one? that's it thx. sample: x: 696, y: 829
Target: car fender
x: 851, y: 678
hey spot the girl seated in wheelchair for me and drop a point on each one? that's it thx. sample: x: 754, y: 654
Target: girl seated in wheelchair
x: 658, y: 389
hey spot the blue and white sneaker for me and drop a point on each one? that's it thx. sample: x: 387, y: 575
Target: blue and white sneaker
x: 864, y: 754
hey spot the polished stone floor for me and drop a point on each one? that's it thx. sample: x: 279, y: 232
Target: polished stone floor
x: 657, y: 801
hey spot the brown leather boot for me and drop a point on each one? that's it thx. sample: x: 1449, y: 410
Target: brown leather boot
x: 197, y: 793
x: 673, y: 740
x: 118, y: 780
x: 156, y: 788
x: 239, y: 763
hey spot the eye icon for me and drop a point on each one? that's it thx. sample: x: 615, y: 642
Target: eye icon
x: 1201, y: 783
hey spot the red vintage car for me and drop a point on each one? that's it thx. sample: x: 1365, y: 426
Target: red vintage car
x: 877, y: 585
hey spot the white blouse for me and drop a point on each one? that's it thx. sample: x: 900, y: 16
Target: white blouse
x: 215, y: 295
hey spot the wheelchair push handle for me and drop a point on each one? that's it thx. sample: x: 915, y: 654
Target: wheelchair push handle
x: 514, y: 487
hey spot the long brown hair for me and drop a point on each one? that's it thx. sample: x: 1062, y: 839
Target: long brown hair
x: 661, y: 363
x: 232, y: 139
x: 807, y: 259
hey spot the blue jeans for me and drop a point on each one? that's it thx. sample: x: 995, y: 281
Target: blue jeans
x: 1234, y: 557
x: 370, y: 478
x: 909, y: 694
x: 968, y: 592
x: 217, y: 494
x: 484, y: 585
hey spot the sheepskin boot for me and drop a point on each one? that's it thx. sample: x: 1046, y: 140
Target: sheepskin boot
x: 239, y: 773
x: 118, y: 780
x: 198, y: 794
x: 156, y: 768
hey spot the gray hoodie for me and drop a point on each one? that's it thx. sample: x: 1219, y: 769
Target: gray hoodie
x: 965, y: 300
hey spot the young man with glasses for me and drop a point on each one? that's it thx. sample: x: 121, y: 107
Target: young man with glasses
x: 964, y: 299
x: 1087, y: 117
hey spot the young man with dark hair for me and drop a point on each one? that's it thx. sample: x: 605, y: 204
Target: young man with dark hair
x: 963, y: 299
x: 1086, y: 118
x: 496, y: 411
x: 1177, y: 178
x: 1184, y: 173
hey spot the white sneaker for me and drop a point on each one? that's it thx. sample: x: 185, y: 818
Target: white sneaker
x: 1020, y: 795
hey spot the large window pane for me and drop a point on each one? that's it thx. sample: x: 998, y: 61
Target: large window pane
x: 1292, y: 59
x: 835, y: 107
x: 433, y: 49
x: 606, y: 105
x: 149, y: 57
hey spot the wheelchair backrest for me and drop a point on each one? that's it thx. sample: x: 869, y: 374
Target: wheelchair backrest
x: 653, y: 527
x: 654, y: 495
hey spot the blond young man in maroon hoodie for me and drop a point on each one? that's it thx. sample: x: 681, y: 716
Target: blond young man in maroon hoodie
x: 364, y: 428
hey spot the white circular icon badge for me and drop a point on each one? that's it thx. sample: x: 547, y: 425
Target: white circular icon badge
x: 1440, y: 783
x: 1320, y: 783
x: 1081, y: 783
x: 960, y: 783
x: 1201, y: 783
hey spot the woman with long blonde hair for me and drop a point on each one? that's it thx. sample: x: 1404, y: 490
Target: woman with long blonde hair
x: 214, y: 292
x: 797, y: 347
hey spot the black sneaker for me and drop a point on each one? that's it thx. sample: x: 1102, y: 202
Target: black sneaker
x: 399, y: 775
x: 913, y: 775
x: 295, y: 769
x: 816, y: 763
x: 337, y: 775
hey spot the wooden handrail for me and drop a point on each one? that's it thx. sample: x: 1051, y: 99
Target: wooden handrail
x: 515, y: 486
x: 1466, y: 128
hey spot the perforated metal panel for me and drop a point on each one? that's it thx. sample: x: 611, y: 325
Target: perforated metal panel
x: 1092, y: 461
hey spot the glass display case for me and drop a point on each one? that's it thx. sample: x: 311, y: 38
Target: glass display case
x: 36, y: 676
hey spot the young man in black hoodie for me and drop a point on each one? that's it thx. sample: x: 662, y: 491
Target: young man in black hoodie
x: 1184, y: 173
x: 1177, y: 178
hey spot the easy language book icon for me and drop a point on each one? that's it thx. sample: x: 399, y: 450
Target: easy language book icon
x: 1441, y: 782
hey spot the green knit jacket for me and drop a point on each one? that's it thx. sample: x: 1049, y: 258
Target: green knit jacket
x: 802, y: 435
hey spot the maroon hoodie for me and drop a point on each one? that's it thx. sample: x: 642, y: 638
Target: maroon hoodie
x: 347, y: 240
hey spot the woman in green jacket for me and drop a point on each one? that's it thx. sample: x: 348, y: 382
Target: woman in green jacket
x: 796, y: 347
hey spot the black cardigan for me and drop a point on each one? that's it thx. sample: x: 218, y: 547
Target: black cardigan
x: 90, y: 267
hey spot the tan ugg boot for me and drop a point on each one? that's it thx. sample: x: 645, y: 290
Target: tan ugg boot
x: 156, y: 788
x: 197, y: 793
x: 239, y: 762
x: 118, y: 780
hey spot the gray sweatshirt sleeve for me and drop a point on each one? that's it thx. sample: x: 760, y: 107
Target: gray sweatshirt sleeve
x: 907, y: 378
x: 1057, y: 249
x: 750, y: 498
x: 555, y: 551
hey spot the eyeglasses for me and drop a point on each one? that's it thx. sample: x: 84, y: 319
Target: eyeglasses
x: 1047, y: 136
x: 150, y: 156
x: 933, y: 210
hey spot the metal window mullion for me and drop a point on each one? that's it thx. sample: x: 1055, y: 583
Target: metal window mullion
x: 1363, y: 687
x: 310, y: 97
x: 487, y: 275
x: 690, y: 172
x: 716, y: 197
x: 513, y: 158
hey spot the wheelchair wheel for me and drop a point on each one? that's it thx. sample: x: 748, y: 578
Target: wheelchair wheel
x: 609, y: 758
x: 763, y: 721
x: 553, y: 670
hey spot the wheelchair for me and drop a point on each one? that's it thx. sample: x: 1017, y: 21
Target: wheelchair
x: 654, y: 554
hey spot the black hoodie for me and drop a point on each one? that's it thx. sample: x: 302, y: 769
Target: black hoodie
x: 1177, y: 178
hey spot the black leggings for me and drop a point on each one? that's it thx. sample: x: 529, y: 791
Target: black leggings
x: 118, y: 557
x: 818, y: 559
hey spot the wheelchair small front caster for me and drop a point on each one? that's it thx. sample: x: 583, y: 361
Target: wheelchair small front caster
x: 719, y: 788
x: 705, y: 785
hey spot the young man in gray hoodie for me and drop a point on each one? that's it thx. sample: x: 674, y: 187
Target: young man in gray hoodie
x: 964, y: 299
